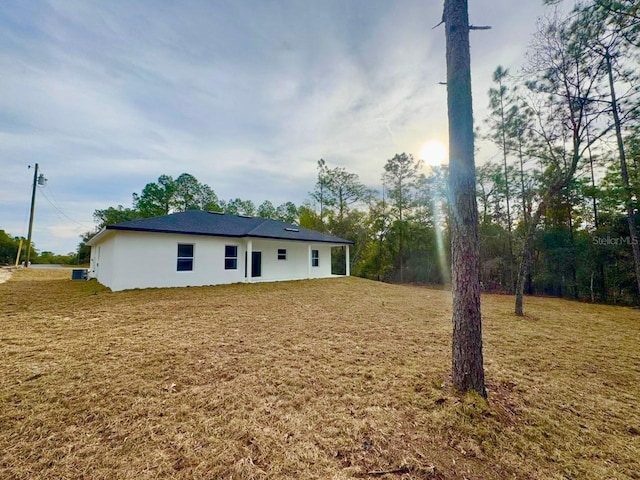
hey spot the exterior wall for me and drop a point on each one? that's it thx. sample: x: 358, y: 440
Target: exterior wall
x: 296, y: 266
x: 130, y: 260
x: 145, y: 260
x: 323, y: 269
x: 102, y: 261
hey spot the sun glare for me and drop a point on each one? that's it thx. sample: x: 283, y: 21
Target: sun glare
x: 433, y: 153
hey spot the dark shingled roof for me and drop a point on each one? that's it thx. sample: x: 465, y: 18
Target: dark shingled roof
x: 196, y: 222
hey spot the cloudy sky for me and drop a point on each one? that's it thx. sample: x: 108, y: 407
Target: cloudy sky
x: 246, y: 95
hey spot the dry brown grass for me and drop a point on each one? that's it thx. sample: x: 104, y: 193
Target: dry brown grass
x: 334, y: 378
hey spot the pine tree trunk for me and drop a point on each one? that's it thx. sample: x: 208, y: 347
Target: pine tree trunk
x: 573, y: 268
x: 522, y: 273
x: 628, y: 199
x: 506, y: 189
x: 601, y: 284
x: 401, y: 249
x: 526, y: 283
x: 467, y: 360
x: 527, y: 254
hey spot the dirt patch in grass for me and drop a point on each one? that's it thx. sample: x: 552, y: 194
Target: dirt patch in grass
x: 336, y: 378
x: 5, y: 274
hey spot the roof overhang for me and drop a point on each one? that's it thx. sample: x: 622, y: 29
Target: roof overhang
x: 98, y: 237
x: 106, y: 231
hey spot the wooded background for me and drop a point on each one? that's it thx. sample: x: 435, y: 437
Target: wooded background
x: 558, y: 204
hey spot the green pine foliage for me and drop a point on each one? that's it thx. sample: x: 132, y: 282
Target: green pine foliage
x: 558, y: 164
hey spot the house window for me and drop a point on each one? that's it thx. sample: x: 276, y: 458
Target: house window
x: 230, y: 257
x: 282, y: 254
x: 315, y: 258
x: 185, y: 257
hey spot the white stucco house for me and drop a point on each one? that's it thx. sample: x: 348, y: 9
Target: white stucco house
x: 197, y: 248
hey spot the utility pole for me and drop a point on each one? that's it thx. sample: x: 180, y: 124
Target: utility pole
x: 37, y: 180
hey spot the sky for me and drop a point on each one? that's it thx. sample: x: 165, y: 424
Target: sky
x: 247, y: 96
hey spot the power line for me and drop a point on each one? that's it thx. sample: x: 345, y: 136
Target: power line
x: 56, y: 204
x: 46, y: 197
x: 55, y: 199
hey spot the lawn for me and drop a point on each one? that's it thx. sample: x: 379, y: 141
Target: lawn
x: 328, y: 379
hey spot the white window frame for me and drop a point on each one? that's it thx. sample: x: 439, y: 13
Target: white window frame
x: 226, y: 258
x: 192, y: 257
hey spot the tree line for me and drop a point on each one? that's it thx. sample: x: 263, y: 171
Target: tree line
x: 11, y: 245
x: 558, y: 205
x: 562, y: 202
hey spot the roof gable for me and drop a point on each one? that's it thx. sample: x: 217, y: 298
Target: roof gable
x: 197, y: 222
